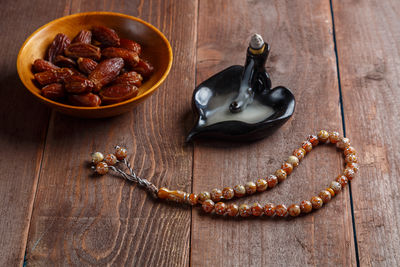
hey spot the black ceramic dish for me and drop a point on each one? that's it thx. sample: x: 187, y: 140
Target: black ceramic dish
x: 241, y: 87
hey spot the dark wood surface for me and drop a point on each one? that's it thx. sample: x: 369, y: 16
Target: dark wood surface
x: 53, y: 212
x: 369, y: 57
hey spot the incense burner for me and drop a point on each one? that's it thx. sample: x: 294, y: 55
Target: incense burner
x: 238, y: 102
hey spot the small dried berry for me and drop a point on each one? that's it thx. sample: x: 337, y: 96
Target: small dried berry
x: 105, y: 72
x: 78, y: 50
x: 53, y: 91
x: 57, y: 47
x: 130, y: 45
x: 40, y: 65
x: 86, y: 65
x: 84, y: 36
x: 85, y: 100
x: 106, y: 36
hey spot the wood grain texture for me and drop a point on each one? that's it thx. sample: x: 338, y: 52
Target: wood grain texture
x: 303, y: 59
x: 82, y: 220
x: 368, y: 34
x: 23, y: 124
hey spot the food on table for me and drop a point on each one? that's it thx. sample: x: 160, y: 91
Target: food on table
x: 96, y: 68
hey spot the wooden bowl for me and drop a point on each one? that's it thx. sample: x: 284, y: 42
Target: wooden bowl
x: 155, y: 48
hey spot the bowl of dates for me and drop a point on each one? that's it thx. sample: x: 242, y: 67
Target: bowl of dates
x: 94, y: 65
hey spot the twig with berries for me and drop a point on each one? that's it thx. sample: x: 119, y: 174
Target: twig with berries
x: 101, y: 165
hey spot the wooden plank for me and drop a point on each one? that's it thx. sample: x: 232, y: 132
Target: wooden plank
x: 303, y: 59
x: 368, y: 35
x: 80, y: 220
x: 23, y: 127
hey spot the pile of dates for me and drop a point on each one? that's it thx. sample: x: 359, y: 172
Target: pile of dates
x: 95, y: 68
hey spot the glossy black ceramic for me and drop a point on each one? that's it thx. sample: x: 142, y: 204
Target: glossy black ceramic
x: 227, y: 83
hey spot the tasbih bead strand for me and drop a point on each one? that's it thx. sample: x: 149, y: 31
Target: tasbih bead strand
x: 212, y: 202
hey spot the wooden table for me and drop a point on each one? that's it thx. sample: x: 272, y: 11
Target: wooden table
x: 341, y: 60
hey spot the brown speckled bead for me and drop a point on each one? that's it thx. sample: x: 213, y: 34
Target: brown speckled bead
x: 256, y: 209
x: 349, y: 173
x: 287, y: 167
x: 110, y: 159
x: 281, y: 175
x: 272, y: 180
x: 351, y: 158
x: 325, y: 196
x: 216, y: 195
x: 349, y: 150
x: 120, y: 153
x: 101, y: 168
x: 307, y: 146
x: 220, y: 208
x: 240, y: 190
x: 281, y: 210
x: 192, y: 200
x: 343, y: 143
x: 208, y: 205
x: 334, y: 137
x: 244, y: 210
x: 269, y: 209
x: 203, y: 196
x: 262, y: 185
x: 293, y: 160
x: 313, y: 139
x: 323, y: 136
x: 330, y: 190
x: 300, y: 153
x: 342, y: 180
x: 294, y: 210
x: 228, y: 193
x: 232, y: 210
x: 353, y: 166
x: 305, y: 206
x: 316, y: 202
x: 250, y: 187
x: 336, y: 187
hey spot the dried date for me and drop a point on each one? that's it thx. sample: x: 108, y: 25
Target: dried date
x: 64, y: 62
x: 130, y: 58
x: 144, y: 68
x: 78, y: 50
x: 130, y: 45
x: 129, y: 78
x: 53, y: 76
x: 40, y: 65
x: 86, y: 65
x: 78, y: 85
x: 53, y: 91
x: 118, y: 93
x: 57, y: 47
x: 84, y: 36
x: 105, y: 72
x: 106, y: 36
x: 85, y: 100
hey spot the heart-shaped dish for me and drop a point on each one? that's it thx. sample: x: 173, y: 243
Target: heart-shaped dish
x: 211, y: 99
